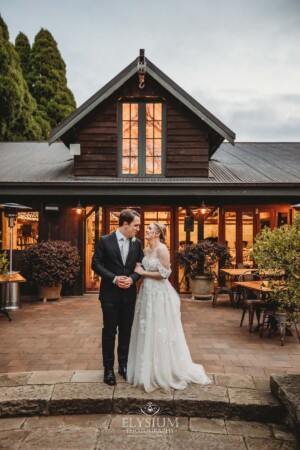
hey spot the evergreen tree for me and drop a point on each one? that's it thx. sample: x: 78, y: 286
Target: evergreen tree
x: 18, y: 109
x: 47, y: 79
x: 23, y: 48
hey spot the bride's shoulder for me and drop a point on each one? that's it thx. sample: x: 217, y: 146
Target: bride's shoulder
x: 162, y: 249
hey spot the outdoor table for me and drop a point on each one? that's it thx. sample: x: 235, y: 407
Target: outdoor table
x: 233, y: 274
x: 263, y: 287
x: 9, y: 278
x: 256, y: 285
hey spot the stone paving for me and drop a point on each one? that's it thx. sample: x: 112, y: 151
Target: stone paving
x: 65, y: 335
x: 108, y: 431
x: 75, y: 392
x: 191, y: 419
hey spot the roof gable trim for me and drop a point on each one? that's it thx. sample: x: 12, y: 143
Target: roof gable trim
x: 189, y: 105
x: 163, y: 80
x: 93, y: 105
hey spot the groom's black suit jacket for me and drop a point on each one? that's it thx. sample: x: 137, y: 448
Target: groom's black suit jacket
x: 107, y: 262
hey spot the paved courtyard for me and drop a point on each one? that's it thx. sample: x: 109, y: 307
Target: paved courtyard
x: 66, y: 335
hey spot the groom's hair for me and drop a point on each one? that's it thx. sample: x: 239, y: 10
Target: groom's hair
x: 127, y: 215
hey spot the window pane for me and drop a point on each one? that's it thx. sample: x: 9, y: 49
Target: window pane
x: 126, y: 129
x: 157, y: 111
x: 126, y: 111
x: 134, y: 147
x: 134, y: 111
x: 126, y: 147
x: 157, y: 165
x: 149, y: 147
x: 149, y: 111
x: 282, y: 219
x: 264, y: 220
x: 247, y: 237
x: 134, y: 130
x: 149, y: 166
x: 157, y: 130
x: 149, y: 130
x: 230, y: 233
x: 134, y: 166
x: 125, y: 165
x: 24, y: 233
x: 157, y: 147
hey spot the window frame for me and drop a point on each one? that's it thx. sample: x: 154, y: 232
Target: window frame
x: 142, y: 138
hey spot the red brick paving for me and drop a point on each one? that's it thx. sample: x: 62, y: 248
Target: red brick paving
x: 65, y: 334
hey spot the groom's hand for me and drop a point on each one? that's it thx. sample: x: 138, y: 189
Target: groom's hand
x: 124, y: 282
x: 128, y: 282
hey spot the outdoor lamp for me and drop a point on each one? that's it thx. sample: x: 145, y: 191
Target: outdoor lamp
x: 203, y: 208
x: 79, y: 208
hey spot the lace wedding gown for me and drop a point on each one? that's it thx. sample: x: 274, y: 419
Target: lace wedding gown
x: 158, y: 353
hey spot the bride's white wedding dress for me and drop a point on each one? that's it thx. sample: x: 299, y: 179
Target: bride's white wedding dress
x: 158, y: 354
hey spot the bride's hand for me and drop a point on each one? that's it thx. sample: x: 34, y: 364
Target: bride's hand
x: 139, y: 269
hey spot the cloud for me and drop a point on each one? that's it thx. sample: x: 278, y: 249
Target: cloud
x: 238, y: 58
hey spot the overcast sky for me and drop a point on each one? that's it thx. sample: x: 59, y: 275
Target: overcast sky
x: 239, y: 58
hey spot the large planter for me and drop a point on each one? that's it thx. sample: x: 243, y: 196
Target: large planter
x: 202, y: 287
x: 49, y: 292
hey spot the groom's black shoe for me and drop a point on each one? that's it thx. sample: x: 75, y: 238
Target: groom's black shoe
x: 109, y: 377
x: 122, y: 371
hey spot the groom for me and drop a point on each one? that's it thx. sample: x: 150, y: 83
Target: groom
x: 115, y: 257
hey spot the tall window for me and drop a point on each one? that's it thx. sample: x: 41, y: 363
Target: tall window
x: 142, y: 139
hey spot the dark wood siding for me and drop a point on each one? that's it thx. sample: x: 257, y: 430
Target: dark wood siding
x: 98, y: 138
x: 187, y: 142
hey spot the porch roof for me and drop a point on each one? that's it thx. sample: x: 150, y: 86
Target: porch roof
x: 254, y: 166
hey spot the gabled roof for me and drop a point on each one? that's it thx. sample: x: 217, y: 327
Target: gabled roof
x: 163, y: 80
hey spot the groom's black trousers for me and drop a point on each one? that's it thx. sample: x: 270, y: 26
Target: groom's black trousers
x: 117, y: 316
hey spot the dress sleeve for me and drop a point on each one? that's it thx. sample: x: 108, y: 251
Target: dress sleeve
x: 165, y: 273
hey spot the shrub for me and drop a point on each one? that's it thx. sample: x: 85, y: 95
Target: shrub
x: 52, y: 262
x: 202, y: 258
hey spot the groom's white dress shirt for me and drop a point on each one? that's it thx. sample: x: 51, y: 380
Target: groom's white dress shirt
x: 123, y: 243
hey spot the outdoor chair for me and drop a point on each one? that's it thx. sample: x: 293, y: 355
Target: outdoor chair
x: 222, y: 289
x: 251, y: 300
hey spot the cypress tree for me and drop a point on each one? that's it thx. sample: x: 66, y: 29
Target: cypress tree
x: 18, y: 109
x: 23, y: 48
x: 47, y: 79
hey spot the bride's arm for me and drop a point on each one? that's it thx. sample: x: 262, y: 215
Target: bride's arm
x: 164, y: 269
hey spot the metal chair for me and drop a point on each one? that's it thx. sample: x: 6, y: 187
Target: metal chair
x: 251, y: 301
x: 222, y: 289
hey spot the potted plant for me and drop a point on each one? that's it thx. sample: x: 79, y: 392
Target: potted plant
x: 278, y: 251
x: 50, y: 265
x: 200, y: 261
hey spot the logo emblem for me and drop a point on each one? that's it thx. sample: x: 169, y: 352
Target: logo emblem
x: 150, y: 409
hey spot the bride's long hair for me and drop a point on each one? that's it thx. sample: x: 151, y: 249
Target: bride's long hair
x: 161, y: 230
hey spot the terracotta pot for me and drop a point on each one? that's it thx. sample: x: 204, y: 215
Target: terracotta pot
x: 202, y: 287
x: 49, y: 292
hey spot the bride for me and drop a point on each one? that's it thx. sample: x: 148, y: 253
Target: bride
x: 158, y: 353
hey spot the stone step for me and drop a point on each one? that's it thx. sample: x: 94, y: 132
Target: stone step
x: 83, y: 392
x: 109, y: 431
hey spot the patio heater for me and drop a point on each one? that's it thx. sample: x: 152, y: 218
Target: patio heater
x: 10, y: 290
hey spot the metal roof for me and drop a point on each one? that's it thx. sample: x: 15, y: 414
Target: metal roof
x: 212, y: 121
x: 246, y: 164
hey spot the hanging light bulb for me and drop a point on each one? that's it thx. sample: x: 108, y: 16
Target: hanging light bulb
x: 203, y: 208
